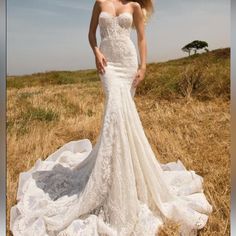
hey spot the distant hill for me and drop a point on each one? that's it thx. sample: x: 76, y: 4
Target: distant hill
x: 203, y: 76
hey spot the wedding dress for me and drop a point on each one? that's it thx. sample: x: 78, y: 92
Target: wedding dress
x: 117, y: 187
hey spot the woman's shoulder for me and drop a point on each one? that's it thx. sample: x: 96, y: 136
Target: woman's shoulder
x: 132, y: 3
x: 99, y: 2
x: 135, y: 5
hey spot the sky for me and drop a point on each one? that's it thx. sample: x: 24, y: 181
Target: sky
x: 45, y: 35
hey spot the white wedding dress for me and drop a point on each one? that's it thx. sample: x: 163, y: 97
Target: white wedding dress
x: 117, y: 187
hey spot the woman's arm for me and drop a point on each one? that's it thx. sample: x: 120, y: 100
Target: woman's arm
x: 93, y: 28
x: 139, y: 25
x: 99, y: 57
x: 140, y: 28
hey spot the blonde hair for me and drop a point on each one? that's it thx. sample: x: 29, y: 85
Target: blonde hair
x: 147, y: 8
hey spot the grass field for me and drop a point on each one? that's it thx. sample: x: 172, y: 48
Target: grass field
x: 184, y: 106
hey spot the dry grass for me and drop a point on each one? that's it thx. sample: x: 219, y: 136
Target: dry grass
x: 185, y: 117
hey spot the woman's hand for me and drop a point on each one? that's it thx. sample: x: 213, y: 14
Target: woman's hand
x: 139, y: 77
x: 101, y: 62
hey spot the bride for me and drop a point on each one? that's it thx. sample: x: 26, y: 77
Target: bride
x: 117, y: 187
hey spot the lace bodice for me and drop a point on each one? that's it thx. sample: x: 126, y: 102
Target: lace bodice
x: 116, y: 44
x: 115, y: 27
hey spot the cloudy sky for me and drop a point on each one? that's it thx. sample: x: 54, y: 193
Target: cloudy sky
x: 46, y: 35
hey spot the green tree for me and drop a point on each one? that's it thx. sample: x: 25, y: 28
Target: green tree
x: 195, y: 46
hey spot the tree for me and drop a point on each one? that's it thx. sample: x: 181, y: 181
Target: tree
x: 195, y: 46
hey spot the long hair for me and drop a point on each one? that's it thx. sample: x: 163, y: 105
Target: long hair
x: 147, y: 8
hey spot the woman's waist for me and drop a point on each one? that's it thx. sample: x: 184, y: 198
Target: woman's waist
x: 118, y: 49
x: 115, y: 37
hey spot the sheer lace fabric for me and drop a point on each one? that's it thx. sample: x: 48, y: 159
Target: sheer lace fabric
x: 117, y: 187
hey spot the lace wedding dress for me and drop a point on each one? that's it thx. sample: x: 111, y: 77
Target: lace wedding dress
x: 117, y: 187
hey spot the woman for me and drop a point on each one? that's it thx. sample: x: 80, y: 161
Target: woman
x: 117, y: 187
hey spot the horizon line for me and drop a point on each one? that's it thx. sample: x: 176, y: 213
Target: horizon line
x: 160, y: 62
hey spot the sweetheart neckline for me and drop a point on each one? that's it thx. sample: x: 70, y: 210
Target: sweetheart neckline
x: 122, y: 13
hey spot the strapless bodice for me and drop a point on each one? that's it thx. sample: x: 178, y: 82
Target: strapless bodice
x: 115, y: 27
x: 116, y: 44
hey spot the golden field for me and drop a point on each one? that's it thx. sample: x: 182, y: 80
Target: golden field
x: 184, y: 107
